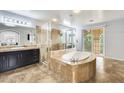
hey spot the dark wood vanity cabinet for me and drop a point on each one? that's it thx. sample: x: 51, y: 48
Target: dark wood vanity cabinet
x: 15, y: 59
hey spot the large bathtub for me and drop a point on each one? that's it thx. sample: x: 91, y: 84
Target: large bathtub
x: 76, y: 56
x: 72, y: 66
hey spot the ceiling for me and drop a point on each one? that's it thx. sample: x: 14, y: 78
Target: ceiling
x: 84, y: 17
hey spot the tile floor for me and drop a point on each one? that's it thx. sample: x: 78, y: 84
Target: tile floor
x: 107, y: 71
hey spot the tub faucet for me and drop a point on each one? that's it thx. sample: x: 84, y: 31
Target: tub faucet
x: 74, y: 60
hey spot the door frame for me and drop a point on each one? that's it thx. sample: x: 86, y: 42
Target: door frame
x: 104, y: 35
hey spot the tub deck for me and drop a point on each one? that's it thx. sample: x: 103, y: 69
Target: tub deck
x: 72, y: 72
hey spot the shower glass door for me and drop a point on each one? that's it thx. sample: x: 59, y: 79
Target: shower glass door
x: 56, y: 37
x: 44, y: 40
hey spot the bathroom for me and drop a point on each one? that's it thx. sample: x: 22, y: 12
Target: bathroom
x: 61, y: 46
x: 61, y: 51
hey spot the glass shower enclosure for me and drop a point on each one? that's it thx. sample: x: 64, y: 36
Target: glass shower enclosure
x: 62, y: 37
x: 56, y: 37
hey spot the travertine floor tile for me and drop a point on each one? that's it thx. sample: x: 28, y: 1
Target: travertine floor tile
x: 108, y: 71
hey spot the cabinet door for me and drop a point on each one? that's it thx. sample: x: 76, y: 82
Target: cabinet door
x: 35, y: 54
x: 12, y: 59
x: 28, y: 56
x: 20, y: 58
x: 3, y: 62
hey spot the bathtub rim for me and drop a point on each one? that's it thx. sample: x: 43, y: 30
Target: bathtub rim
x: 87, y: 60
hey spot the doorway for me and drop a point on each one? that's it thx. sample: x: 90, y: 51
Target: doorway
x: 94, y: 41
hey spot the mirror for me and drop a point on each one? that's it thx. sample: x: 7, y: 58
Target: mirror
x: 9, y: 38
x: 21, y: 36
x: 62, y: 37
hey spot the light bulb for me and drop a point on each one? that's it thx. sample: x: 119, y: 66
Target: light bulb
x: 76, y: 11
x: 54, y: 20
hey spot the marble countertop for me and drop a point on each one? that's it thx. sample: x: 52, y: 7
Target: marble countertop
x: 17, y: 48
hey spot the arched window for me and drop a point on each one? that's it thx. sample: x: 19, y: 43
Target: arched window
x: 9, y: 38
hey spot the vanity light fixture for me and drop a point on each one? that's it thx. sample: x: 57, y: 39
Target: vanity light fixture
x: 10, y: 21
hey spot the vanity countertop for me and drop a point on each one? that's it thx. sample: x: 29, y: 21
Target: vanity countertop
x: 17, y: 48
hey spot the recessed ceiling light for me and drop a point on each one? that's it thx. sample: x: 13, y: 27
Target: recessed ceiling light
x: 76, y: 11
x: 54, y: 20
